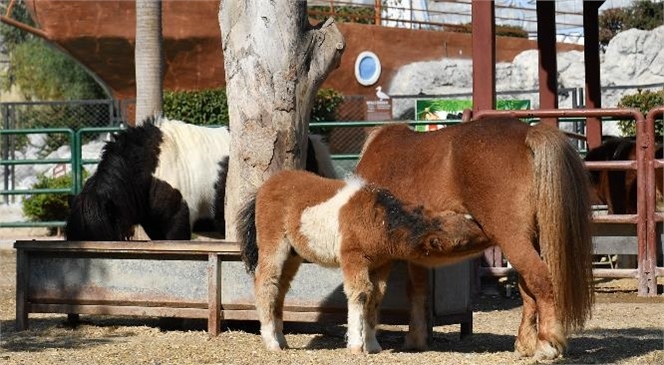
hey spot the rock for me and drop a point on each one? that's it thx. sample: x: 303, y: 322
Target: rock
x: 632, y: 58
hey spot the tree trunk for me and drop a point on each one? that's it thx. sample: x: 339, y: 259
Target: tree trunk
x: 275, y: 61
x: 148, y: 60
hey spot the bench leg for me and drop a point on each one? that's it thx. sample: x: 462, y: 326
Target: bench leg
x: 214, y: 295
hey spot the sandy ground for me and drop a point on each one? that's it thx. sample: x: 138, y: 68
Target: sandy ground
x: 624, y: 329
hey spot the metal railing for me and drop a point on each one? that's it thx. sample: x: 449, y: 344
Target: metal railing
x: 75, y: 160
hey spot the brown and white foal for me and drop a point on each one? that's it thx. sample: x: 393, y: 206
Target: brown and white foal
x: 348, y: 224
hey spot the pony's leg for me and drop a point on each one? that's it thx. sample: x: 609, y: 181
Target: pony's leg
x: 288, y: 272
x: 168, y: 216
x: 267, y: 290
x: 536, y: 283
x: 526, y: 340
x: 416, y: 339
x: 379, y: 282
x: 359, y: 291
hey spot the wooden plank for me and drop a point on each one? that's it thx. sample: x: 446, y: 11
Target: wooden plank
x: 119, y: 310
x: 227, y: 248
x: 22, y: 278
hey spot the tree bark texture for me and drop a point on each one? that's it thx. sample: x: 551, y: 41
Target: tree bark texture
x: 148, y: 56
x: 275, y: 61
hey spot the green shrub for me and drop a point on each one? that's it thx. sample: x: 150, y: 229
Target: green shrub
x: 48, y: 207
x: 501, y: 30
x: 326, y: 106
x: 204, y: 107
x: 344, y: 14
x: 209, y: 107
x: 644, y: 100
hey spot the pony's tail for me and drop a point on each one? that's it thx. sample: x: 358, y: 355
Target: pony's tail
x: 246, y: 230
x: 564, y: 222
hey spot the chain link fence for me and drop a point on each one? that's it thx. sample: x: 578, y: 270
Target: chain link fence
x: 41, y: 115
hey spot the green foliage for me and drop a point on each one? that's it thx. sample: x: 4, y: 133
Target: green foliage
x: 49, y: 207
x: 326, y: 105
x: 40, y: 71
x: 644, y: 100
x: 205, y: 107
x: 13, y: 36
x: 501, y: 30
x: 642, y: 14
x: 344, y: 14
x: 209, y: 107
x: 43, y: 73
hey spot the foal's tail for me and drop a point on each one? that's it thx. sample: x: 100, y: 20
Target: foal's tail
x: 564, y: 222
x: 246, y: 231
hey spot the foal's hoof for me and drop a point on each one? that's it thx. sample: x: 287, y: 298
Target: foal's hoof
x: 356, y: 349
x: 373, y: 348
x: 275, y: 345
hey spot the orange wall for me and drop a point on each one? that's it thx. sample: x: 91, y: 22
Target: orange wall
x: 101, y: 35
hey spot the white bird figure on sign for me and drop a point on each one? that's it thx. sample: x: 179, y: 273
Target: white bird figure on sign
x: 380, y: 94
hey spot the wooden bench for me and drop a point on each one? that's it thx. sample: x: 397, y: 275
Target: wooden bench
x: 203, y: 279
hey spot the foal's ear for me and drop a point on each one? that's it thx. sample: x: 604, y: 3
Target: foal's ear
x: 434, y: 243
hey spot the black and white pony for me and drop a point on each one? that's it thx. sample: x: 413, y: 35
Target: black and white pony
x: 168, y: 177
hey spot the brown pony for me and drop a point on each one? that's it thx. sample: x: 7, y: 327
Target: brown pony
x: 617, y: 189
x: 298, y: 216
x: 527, y: 188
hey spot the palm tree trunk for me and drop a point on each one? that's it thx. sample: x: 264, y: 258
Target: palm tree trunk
x: 148, y: 60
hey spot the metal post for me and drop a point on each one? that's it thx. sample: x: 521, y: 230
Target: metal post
x: 5, y: 149
x: 484, y: 55
x: 548, y: 66
x: 591, y: 59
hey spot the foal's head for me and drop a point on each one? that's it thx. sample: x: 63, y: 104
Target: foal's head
x: 428, y: 233
x: 452, y: 233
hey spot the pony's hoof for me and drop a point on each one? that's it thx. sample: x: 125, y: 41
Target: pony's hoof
x: 546, y: 351
x: 523, y: 350
x: 414, y: 343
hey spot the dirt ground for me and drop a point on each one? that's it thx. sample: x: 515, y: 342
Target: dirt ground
x: 624, y: 329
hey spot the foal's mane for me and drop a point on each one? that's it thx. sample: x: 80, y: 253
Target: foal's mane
x: 398, y: 218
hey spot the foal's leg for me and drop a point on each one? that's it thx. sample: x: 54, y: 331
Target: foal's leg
x: 359, y: 291
x: 379, y: 282
x: 536, y: 284
x: 416, y: 339
x: 272, y: 261
x: 288, y: 272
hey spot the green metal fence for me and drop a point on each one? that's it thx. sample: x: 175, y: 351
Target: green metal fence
x: 75, y: 160
x: 343, y: 161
